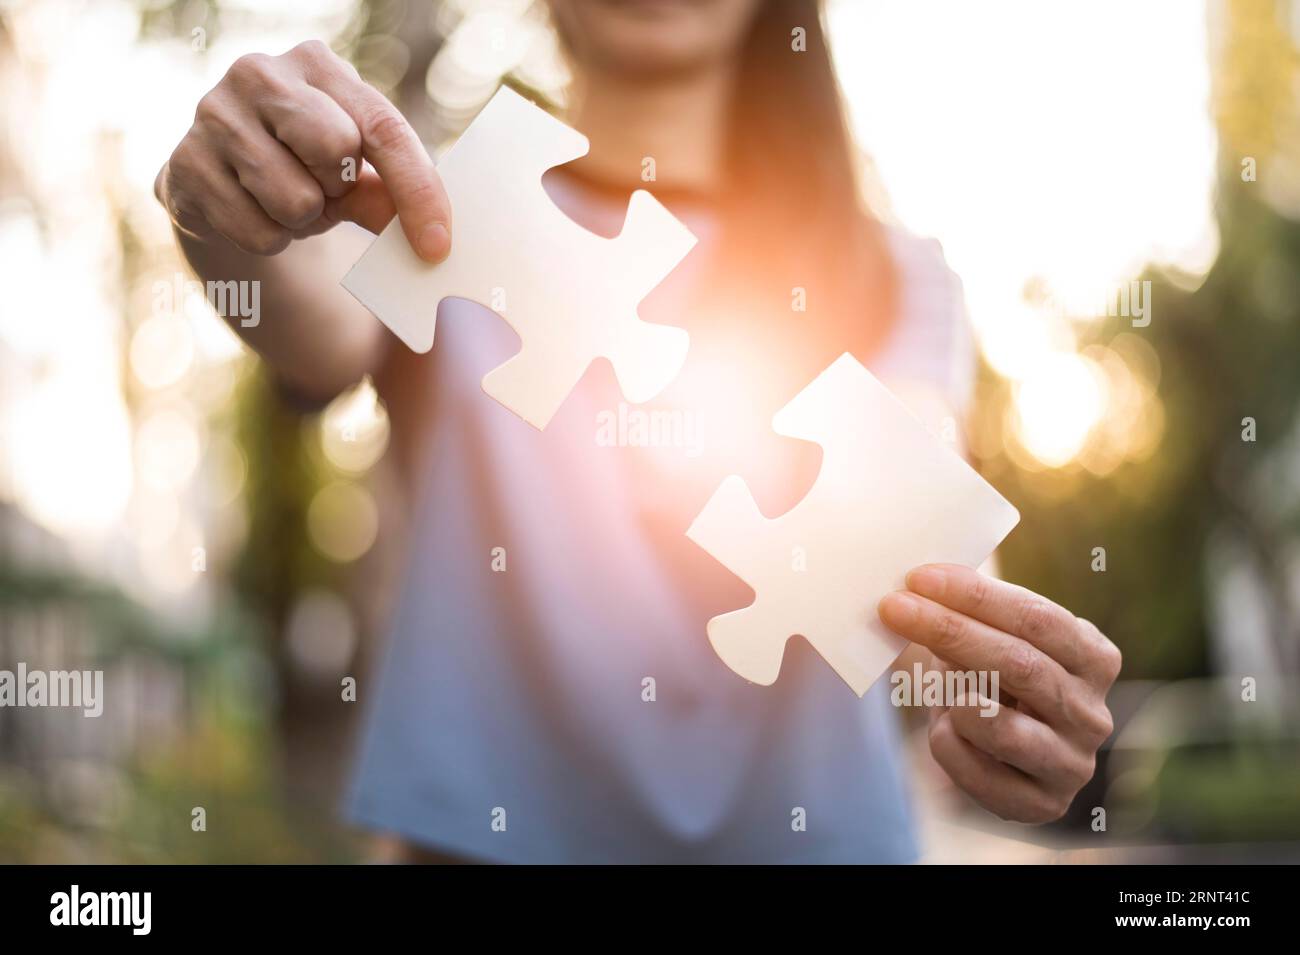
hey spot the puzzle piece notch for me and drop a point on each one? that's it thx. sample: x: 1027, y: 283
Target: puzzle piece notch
x: 819, y: 569
x: 512, y: 250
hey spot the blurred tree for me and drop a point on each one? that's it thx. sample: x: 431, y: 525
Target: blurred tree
x: 1227, y: 351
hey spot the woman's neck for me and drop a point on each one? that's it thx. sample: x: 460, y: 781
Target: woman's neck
x: 680, y: 124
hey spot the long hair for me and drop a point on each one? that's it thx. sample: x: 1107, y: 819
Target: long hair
x: 794, y: 202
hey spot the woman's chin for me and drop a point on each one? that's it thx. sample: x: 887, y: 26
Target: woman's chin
x: 653, y: 37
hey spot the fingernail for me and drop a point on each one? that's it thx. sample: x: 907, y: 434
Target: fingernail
x: 899, y: 609
x: 434, y: 243
x: 928, y: 581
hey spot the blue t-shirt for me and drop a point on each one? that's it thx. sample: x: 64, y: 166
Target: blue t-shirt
x: 548, y: 692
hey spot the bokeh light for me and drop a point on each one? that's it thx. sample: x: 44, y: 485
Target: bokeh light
x: 342, y: 521
x: 1057, y: 406
x: 354, y: 429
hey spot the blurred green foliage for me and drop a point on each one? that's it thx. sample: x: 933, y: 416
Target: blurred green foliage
x: 1228, y: 350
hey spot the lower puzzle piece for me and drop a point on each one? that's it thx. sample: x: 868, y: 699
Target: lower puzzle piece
x: 889, y: 496
x: 570, y: 294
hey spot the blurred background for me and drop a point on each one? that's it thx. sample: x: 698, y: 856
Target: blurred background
x: 1117, y: 183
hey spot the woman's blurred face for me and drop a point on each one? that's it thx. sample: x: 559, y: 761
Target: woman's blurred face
x: 652, y: 38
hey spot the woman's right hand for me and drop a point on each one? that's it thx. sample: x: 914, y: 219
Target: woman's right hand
x: 286, y: 147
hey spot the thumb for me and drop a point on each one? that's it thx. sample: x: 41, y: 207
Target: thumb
x: 368, y: 203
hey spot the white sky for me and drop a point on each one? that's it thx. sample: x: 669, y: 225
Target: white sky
x: 1067, y: 141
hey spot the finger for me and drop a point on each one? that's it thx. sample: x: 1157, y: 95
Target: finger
x: 1023, y: 670
x: 942, y: 667
x: 1019, y: 740
x: 319, y: 133
x: 270, y: 174
x: 368, y: 205
x: 1006, y: 607
x: 185, y: 213
x: 233, y: 213
x: 1107, y: 660
x: 273, y: 176
x: 391, y: 145
x: 997, y: 787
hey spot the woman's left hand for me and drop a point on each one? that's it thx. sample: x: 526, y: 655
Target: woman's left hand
x: 1026, y: 762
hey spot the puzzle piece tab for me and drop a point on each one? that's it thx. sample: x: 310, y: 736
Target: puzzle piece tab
x: 889, y: 496
x: 570, y: 295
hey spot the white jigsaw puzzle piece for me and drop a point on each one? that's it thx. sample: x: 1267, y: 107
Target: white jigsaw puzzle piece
x: 889, y: 496
x: 570, y: 294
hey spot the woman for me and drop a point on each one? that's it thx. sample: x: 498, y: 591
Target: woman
x: 549, y: 693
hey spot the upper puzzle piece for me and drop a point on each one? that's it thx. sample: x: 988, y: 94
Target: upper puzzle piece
x: 570, y: 294
x: 889, y: 496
